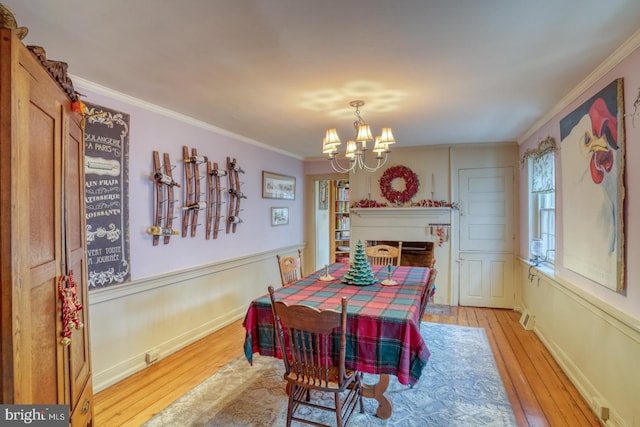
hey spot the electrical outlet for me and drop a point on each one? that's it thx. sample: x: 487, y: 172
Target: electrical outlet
x: 151, y: 356
x: 604, y: 413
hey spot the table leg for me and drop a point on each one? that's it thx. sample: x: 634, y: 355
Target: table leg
x: 376, y: 391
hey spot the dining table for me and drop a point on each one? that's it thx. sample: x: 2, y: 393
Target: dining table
x: 383, y: 322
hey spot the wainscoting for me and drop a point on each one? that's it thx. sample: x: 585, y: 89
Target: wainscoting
x: 597, y: 346
x: 157, y: 316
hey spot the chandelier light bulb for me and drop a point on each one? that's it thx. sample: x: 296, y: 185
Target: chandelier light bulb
x: 352, y: 148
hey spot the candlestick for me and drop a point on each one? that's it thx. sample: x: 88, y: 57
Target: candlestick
x: 327, y: 277
x: 433, y: 186
x: 388, y: 281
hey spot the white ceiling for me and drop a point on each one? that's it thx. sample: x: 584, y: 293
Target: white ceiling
x: 281, y: 71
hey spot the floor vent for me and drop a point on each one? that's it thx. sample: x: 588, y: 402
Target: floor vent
x: 526, y: 320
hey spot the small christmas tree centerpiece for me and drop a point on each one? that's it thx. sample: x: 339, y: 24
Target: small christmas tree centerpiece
x: 360, y: 273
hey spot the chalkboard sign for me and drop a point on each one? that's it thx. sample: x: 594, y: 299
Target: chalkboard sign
x: 106, y: 139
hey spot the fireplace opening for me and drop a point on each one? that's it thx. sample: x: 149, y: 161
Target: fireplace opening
x: 417, y: 254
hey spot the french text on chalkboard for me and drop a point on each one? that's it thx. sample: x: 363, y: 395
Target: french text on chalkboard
x: 107, y: 196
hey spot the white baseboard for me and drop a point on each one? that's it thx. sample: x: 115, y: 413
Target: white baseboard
x: 587, y: 390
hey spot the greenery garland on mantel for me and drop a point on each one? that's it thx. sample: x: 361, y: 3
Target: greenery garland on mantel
x: 424, y: 203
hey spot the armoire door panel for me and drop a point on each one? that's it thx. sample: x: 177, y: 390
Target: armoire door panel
x: 44, y: 230
x: 44, y: 353
x: 79, y: 366
x: 81, y: 413
x: 79, y: 355
x: 74, y: 186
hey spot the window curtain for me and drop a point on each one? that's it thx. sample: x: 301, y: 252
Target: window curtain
x: 544, y: 180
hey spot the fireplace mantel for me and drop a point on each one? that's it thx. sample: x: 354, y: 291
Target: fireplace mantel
x: 407, y: 224
x: 440, y: 215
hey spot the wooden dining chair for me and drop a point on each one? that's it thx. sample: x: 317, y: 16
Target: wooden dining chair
x: 290, y: 268
x: 428, y: 292
x: 312, y: 363
x: 384, y: 254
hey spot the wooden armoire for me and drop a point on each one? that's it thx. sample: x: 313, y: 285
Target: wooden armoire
x: 42, y: 237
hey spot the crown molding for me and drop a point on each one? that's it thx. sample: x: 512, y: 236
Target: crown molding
x: 153, y: 108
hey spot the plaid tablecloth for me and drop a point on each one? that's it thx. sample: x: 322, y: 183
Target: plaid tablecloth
x: 383, y: 325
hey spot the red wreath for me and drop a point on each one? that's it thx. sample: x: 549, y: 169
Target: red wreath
x: 410, y: 180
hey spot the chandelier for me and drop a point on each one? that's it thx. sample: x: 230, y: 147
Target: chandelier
x: 356, y: 149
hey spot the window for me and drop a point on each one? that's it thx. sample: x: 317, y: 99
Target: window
x: 543, y: 203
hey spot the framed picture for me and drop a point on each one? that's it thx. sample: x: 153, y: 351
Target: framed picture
x: 592, y: 160
x: 276, y: 186
x: 323, y: 195
x: 279, y: 216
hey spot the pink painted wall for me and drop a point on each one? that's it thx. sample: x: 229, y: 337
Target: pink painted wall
x: 630, y: 303
x: 151, y: 130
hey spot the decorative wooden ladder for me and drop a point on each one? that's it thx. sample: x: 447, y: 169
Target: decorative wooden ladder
x: 235, y: 194
x: 214, y: 199
x: 192, y: 203
x: 164, y: 199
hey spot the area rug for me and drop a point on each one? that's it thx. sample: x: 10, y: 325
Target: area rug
x: 460, y: 386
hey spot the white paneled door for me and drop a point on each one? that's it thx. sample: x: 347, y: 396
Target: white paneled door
x: 487, y: 237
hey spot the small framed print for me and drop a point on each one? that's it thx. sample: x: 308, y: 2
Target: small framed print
x: 279, y: 216
x: 323, y: 195
x: 276, y: 186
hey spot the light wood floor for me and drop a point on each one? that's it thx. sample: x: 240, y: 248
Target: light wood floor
x: 539, y: 392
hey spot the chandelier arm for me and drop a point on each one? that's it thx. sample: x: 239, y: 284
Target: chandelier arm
x: 381, y: 161
x: 335, y: 164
